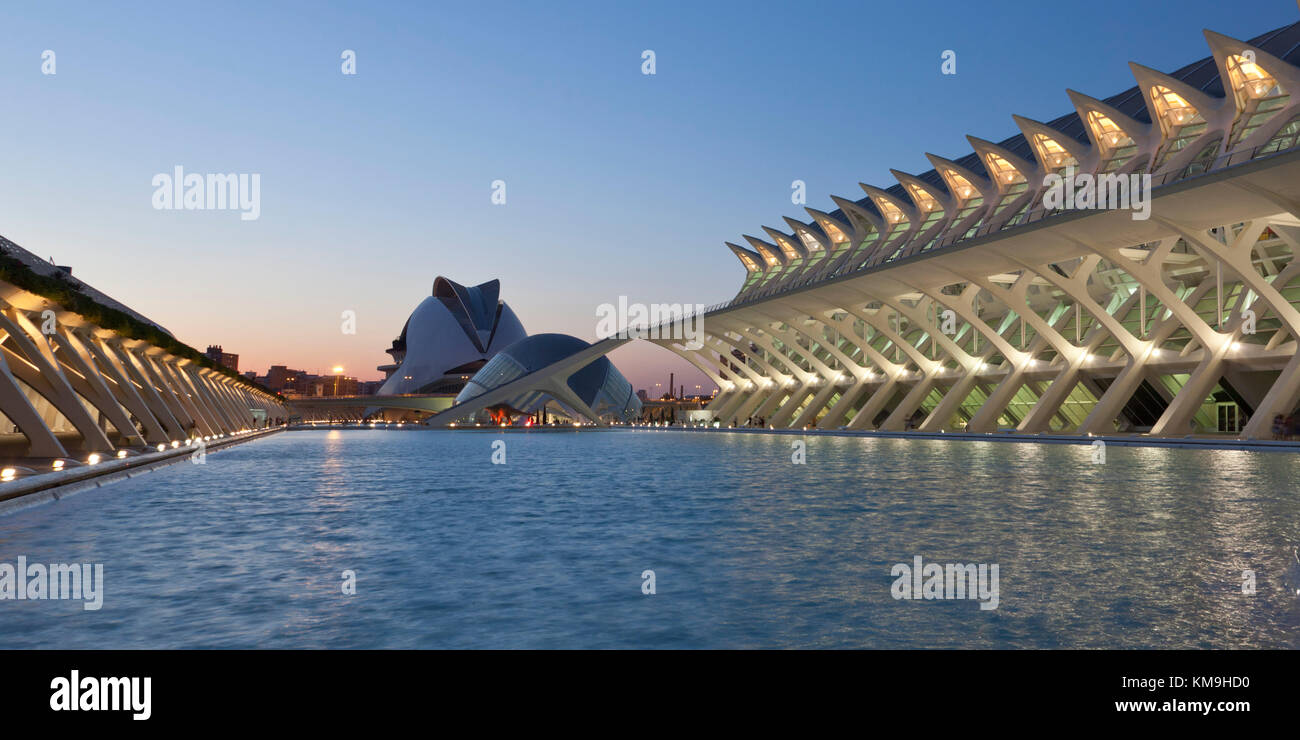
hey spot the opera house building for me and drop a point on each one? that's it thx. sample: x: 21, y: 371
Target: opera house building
x: 462, y: 341
x: 448, y: 337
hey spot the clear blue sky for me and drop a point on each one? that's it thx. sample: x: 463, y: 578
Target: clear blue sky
x: 617, y: 183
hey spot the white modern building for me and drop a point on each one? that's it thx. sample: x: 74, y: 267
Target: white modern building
x: 530, y: 376
x: 968, y: 298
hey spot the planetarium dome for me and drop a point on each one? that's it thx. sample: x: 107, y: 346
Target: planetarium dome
x: 449, y: 337
x: 599, y: 385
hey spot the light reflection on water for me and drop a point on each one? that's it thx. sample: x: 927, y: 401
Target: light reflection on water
x: 749, y: 550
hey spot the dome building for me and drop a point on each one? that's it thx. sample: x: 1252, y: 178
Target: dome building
x: 596, y: 391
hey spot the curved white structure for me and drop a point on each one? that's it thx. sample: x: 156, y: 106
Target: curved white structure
x: 448, y: 337
x: 595, y: 390
x: 959, y: 299
x: 71, y: 386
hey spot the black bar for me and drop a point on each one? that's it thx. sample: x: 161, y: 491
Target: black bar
x: 994, y: 690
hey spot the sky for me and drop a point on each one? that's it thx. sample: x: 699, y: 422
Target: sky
x: 617, y: 183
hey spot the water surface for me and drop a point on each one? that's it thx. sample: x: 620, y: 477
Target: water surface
x: 748, y: 549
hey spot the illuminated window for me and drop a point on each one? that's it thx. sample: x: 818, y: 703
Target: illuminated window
x: 1257, y: 95
x: 899, y: 228
x: 1116, y: 146
x: 768, y: 255
x: 1171, y: 108
x: 1250, y: 80
x: 931, y: 210
x: 892, y: 213
x: 962, y: 188
x: 788, y: 248
x: 1053, y: 156
x: 1011, y: 183
x: 923, y: 199
x: 809, y: 241
x: 1004, y: 173
x: 1180, y: 123
x: 837, y: 236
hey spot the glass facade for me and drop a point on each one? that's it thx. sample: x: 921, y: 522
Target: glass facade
x: 599, y: 385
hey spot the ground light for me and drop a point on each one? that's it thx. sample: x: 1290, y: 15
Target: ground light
x: 8, y: 474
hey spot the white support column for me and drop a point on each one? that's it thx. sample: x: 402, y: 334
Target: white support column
x: 87, y: 381
x: 14, y: 404
x: 201, y: 401
x: 129, y: 365
x: 166, y: 378
x: 1285, y: 393
x: 123, y: 390
x: 42, y: 372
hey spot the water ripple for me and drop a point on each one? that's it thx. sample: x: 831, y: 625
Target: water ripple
x: 748, y: 549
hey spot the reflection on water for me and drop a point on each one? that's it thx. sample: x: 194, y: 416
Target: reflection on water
x: 749, y: 550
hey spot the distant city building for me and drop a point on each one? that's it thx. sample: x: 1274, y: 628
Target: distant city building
x: 302, y: 384
x: 675, y: 410
x: 283, y: 380
x: 215, y: 354
x: 333, y: 385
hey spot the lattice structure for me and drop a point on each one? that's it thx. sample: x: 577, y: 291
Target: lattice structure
x: 67, y: 384
x: 958, y: 300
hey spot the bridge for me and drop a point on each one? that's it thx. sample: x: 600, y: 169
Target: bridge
x: 321, y: 408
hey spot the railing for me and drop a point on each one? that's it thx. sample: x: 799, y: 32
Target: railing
x: 1038, y: 213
